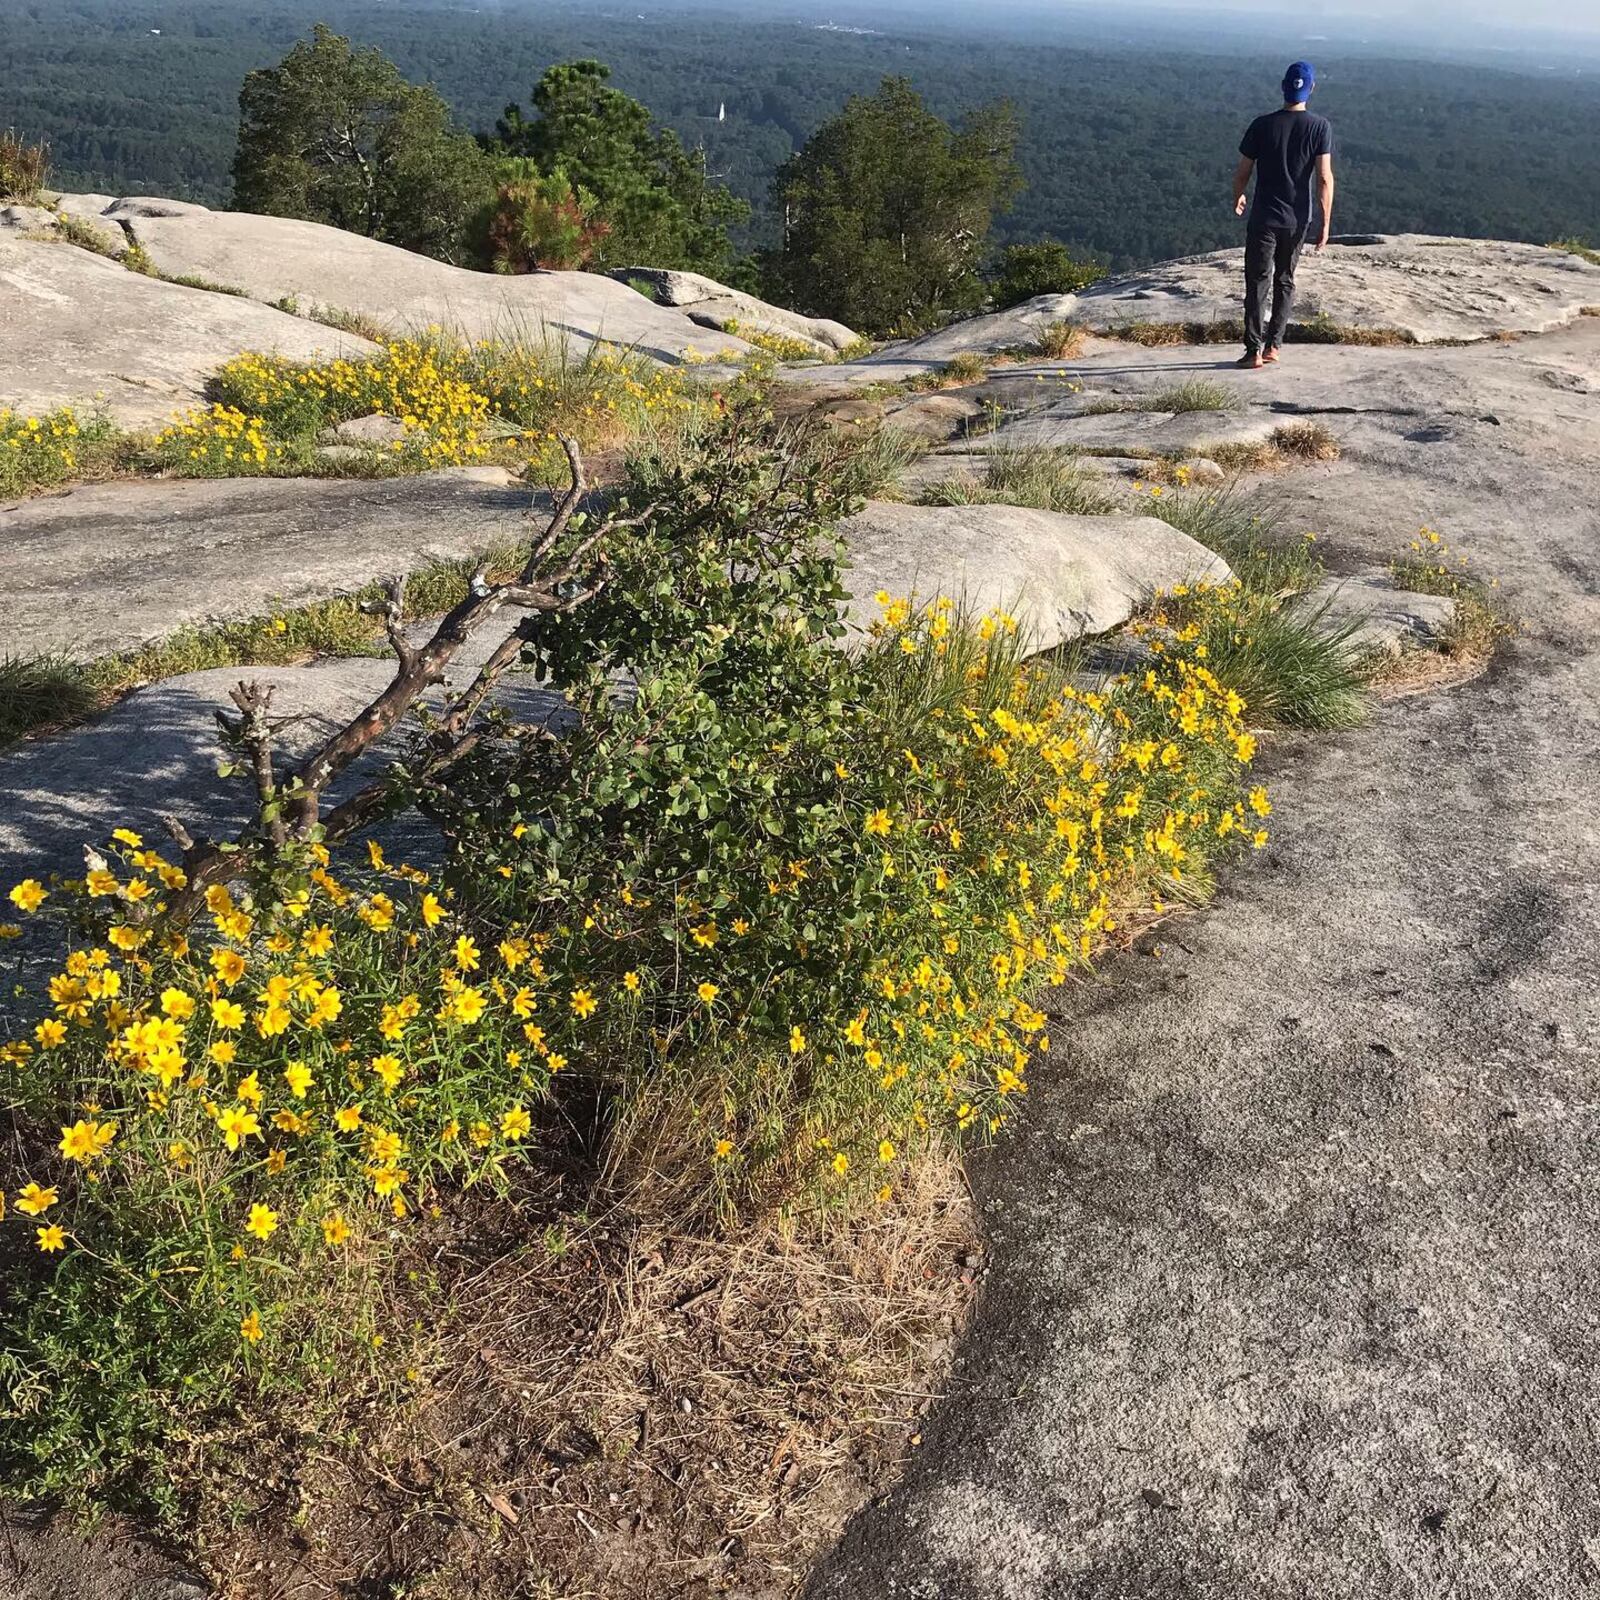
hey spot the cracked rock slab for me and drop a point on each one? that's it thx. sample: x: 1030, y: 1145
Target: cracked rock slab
x: 715, y: 305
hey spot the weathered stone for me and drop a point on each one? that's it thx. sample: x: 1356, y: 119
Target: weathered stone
x: 934, y: 416
x: 110, y: 566
x: 1060, y: 576
x: 1381, y: 617
x: 149, y: 208
x: 274, y: 259
x: 1410, y: 285
x: 26, y: 219
x: 85, y: 205
x: 376, y: 429
x: 715, y: 305
x: 1204, y: 470
x: 76, y: 328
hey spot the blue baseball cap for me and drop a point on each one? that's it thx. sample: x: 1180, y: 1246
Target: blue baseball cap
x: 1298, y: 82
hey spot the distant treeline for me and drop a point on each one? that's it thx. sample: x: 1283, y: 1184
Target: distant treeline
x: 1123, y: 156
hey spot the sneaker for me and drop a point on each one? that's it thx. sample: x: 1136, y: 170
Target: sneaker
x: 1269, y: 355
x: 1250, y: 360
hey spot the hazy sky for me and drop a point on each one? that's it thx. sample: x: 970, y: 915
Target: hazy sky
x: 1451, y: 22
x: 1565, y: 15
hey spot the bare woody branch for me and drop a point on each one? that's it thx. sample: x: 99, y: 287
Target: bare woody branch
x: 290, y: 806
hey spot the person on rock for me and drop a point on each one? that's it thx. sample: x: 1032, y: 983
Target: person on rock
x: 1288, y: 152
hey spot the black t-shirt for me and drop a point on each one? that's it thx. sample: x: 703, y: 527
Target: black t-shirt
x: 1284, y: 146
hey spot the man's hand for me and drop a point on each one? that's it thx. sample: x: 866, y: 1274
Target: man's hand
x: 1241, y: 185
x: 1322, y: 243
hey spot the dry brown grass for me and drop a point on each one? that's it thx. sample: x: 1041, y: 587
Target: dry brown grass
x: 1059, y: 341
x: 357, y: 323
x: 1294, y: 444
x: 1475, y: 635
x: 24, y: 166
x: 622, y: 1407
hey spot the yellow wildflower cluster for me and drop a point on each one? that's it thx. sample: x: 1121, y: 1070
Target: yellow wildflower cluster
x: 444, y: 418
x: 1028, y: 825
x: 37, y: 450
x: 220, y: 442
x: 1434, y: 567
x: 280, y: 1067
x: 781, y: 346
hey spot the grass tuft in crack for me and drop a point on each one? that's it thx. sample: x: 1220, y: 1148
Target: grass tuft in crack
x: 1029, y: 475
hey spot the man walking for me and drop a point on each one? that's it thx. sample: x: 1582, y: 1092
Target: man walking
x: 1288, y: 151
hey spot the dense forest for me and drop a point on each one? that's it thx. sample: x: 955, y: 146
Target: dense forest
x: 1125, y: 154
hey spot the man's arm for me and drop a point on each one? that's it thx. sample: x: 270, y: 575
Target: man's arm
x: 1241, y: 184
x: 1325, y: 198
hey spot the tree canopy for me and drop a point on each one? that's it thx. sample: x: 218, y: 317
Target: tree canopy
x: 659, y: 207
x: 887, y: 210
x: 337, y: 135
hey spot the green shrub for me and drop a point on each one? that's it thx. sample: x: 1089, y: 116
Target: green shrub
x: 219, y: 1131
x: 539, y: 220
x: 1028, y: 270
x: 1578, y: 247
x: 829, y: 882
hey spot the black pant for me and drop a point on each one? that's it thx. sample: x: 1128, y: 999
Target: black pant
x: 1270, y: 256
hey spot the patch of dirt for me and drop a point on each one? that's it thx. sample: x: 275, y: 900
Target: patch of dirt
x: 613, y: 1407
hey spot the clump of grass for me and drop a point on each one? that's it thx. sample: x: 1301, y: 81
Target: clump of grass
x: 1307, y: 441
x: 356, y: 323
x: 1291, y: 666
x: 193, y: 280
x: 1295, y: 443
x: 1157, y: 335
x: 1029, y: 475
x: 875, y: 459
x: 969, y: 366
x: 1248, y: 536
x: 137, y: 259
x: 36, y: 691
x: 1322, y: 329
x: 24, y: 166
x: 1480, y: 623
x: 1195, y: 394
x: 1318, y: 330
x: 858, y: 349
x: 1058, y: 341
